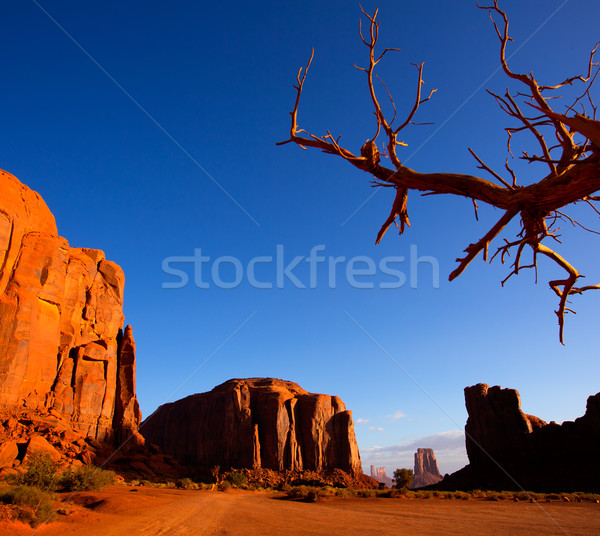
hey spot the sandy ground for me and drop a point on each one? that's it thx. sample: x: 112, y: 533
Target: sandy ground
x: 149, y: 511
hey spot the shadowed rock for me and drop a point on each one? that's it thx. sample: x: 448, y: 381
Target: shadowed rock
x: 509, y: 449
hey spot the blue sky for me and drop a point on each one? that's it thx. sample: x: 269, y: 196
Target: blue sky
x: 142, y: 177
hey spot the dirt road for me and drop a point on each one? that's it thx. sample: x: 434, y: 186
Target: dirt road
x: 118, y: 511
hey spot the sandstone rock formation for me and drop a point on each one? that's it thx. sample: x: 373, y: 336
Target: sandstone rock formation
x: 379, y: 474
x: 257, y: 423
x: 426, y: 470
x: 508, y: 449
x: 62, y: 347
x: 23, y: 431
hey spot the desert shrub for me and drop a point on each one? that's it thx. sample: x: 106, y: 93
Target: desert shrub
x: 86, y: 478
x: 368, y: 493
x: 311, y: 493
x: 403, y: 478
x: 237, y: 480
x: 224, y: 486
x: 41, y: 472
x: 587, y: 497
x: 297, y: 492
x: 34, y: 505
x: 317, y: 493
x: 186, y: 483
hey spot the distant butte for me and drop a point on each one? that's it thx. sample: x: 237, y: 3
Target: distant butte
x: 379, y: 474
x: 426, y: 470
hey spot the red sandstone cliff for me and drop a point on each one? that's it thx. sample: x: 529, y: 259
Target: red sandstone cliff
x: 257, y: 423
x: 62, y: 345
x: 508, y: 449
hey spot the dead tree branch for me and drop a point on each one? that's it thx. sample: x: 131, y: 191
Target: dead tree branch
x: 572, y: 171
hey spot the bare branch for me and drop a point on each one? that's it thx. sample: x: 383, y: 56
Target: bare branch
x: 569, y: 81
x: 398, y: 209
x: 418, y: 100
x: 473, y: 250
x: 488, y: 169
x: 574, y: 165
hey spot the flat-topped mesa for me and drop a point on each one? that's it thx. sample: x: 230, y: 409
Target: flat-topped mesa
x: 257, y: 423
x: 426, y: 470
x: 62, y: 345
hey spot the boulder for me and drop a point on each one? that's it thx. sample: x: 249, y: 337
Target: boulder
x: 257, y: 423
x: 8, y: 453
x: 39, y: 444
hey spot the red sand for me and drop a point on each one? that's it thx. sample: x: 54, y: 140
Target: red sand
x: 150, y: 511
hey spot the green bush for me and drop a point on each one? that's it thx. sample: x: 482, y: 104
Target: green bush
x: 34, y: 504
x: 186, y: 483
x: 403, y: 478
x: 587, y: 497
x: 41, y: 471
x: 86, y: 478
x: 311, y: 493
x: 224, y: 486
x: 237, y: 480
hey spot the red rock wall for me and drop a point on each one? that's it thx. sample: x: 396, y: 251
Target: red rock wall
x: 509, y: 449
x: 257, y: 423
x: 61, y: 314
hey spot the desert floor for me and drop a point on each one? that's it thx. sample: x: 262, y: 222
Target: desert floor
x: 122, y: 510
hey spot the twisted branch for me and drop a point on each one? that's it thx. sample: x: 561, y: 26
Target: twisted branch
x: 573, y: 169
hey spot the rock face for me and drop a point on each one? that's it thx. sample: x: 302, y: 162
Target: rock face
x: 379, y: 474
x: 257, y: 423
x: 509, y: 449
x: 426, y: 470
x: 62, y: 347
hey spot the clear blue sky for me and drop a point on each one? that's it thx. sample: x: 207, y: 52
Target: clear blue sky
x: 217, y: 78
